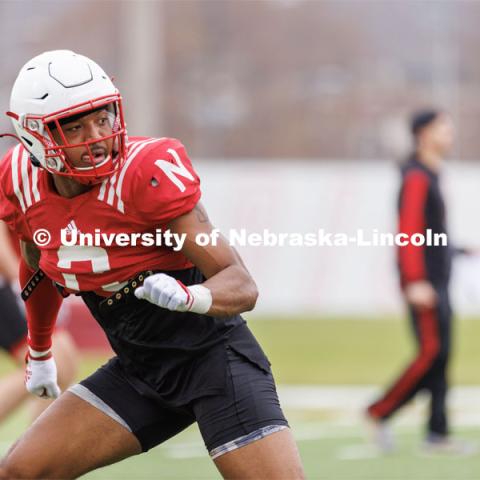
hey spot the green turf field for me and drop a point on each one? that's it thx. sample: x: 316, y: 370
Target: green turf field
x: 328, y: 452
x: 343, y: 351
x: 323, y: 352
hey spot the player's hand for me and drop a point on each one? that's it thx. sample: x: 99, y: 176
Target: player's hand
x: 164, y: 291
x: 167, y: 292
x: 421, y: 295
x: 41, y: 377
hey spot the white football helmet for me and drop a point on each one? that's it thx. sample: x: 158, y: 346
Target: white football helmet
x: 60, y: 85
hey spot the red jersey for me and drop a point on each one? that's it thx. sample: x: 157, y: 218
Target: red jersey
x: 156, y: 184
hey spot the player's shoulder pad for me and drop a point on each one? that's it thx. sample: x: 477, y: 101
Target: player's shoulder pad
x: 168, y: 150
x: 161, y: 175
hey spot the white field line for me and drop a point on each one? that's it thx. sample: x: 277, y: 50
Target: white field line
x: 345, y: 404
x: 343, y: 407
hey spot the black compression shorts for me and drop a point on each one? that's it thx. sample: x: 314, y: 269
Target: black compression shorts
x: 247, y: 410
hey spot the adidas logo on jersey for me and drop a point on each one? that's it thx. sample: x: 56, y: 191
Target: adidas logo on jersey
x: 71, y: 227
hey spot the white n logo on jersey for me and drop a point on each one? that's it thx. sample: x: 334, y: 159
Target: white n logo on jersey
x: 171, y: 170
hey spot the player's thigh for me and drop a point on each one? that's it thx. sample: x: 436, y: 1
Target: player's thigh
x: 248, y: 418
x: 150, y: 420
x: 248, y: 408
x: 69, y: 439
x: 274, y: 457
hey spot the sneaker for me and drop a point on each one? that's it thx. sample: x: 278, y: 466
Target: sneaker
x: 379, y: 434
x: 445, y: 445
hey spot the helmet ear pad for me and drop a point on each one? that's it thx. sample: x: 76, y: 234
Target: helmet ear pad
x: 29, y: 140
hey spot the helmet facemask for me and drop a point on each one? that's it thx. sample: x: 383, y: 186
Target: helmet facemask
x: 49, y: 131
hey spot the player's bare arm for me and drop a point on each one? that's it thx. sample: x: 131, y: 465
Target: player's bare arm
x: 233, y: 289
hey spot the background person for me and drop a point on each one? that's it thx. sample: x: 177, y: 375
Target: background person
x: 424, y: 278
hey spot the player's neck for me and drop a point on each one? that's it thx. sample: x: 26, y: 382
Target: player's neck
x: 430, y: 158
x: 66, y: 187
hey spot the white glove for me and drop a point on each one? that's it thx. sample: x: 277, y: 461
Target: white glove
x: 41, y: 376
x: 167, y: 292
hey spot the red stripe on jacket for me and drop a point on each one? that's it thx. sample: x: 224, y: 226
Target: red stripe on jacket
x: 429, y: 348
x: 412, y: 220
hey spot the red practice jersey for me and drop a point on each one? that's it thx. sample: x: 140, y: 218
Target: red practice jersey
x: 156, y: 184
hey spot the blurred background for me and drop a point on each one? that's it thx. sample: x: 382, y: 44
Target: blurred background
x: 295, y: 114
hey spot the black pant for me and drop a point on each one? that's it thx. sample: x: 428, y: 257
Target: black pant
x: 428, y: 370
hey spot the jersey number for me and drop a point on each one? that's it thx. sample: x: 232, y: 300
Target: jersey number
x: 97, y: 256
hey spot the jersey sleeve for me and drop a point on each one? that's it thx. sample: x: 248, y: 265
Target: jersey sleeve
x: 41, y: 310
x: 10, y: 209
x: 165, y: 185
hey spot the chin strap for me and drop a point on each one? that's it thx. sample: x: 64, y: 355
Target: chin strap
x: 33, y: 159
x: 16, y: 137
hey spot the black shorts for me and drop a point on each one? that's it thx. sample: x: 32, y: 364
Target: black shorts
x: 13, y: 331
x: 174, y: 357
x: 247, y: 410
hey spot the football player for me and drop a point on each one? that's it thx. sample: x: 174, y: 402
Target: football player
x: 13, y: 337
x: 183, y: 352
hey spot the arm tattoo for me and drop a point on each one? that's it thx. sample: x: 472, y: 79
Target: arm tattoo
x: 201, y: 213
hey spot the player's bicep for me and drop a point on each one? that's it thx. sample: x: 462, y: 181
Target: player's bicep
x: 212, y: 258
